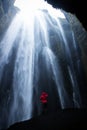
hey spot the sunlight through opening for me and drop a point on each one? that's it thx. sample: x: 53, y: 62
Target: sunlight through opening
x: 29, y: 7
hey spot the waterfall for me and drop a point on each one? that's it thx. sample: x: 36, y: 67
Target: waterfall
x: 36, y: 54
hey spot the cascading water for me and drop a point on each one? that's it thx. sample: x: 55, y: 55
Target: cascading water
x: 36, y: 54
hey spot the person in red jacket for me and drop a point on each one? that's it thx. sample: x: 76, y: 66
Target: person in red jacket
x: 44, y: 101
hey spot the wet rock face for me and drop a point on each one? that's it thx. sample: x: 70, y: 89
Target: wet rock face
x: 4, y: 6
x: 81, y: 37
x: 7, y: 12
x: 1, y: 9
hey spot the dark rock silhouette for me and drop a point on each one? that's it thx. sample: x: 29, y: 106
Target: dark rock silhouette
x: 68, y: 119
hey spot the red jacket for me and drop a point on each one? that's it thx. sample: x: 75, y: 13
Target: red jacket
x: 43, y: 97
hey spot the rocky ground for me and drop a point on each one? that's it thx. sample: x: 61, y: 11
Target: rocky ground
x: 69, y: 119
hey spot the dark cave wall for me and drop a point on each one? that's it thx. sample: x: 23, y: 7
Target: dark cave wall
x: 81, y: 37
